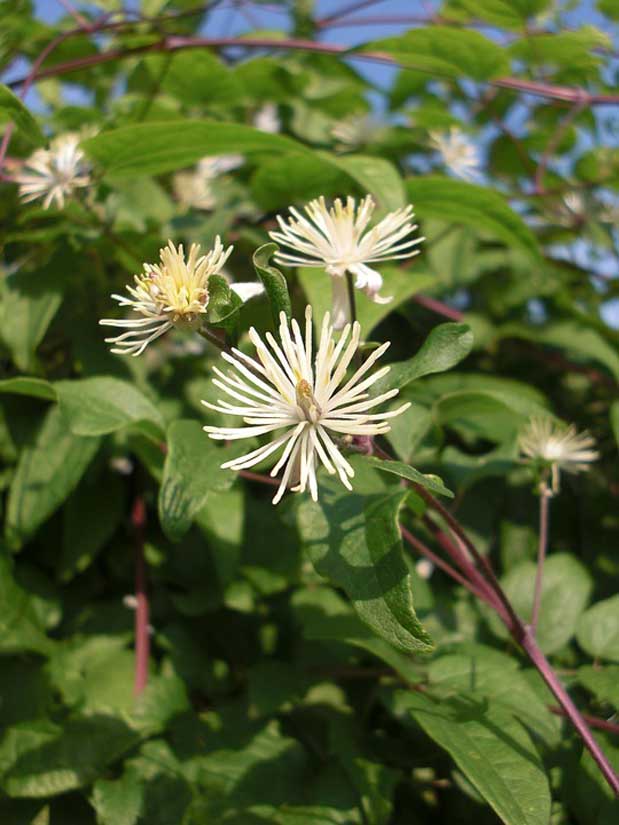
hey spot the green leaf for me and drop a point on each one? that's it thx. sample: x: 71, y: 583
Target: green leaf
x: 496, y: 415
x: 491, y: 749
x: 21, y: 626
x: 445, y: 346
x: 603, y: 682
x: 39, y: 759
x: 445, y: 52
x: 223, y: 303
x: 508, y: 14
x: 118, y: 801
x: 275, y: 285
x: 483, y: 209
x: 378, y: 176
x: 26, y: 385
x: 353, y: 539
x: 614, y: 420
x: 398, y: 468
x: 102, y: 405
x: 47, y: 472
x: 598, y: 630
x: 155, y: 148
x: 90, y: 519
x: 198, y: 77
x: 566, y: 589
x: 30, y: 300
x: 579, y: 341
x: 191, y: 471
x: 324, y: 615
x: 482, y: 673
x: 15, y: 111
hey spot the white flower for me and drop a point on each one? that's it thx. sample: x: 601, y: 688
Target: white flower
x: 246, y: 290
x: 267, y: 118
x: 195, y: 189
x: 52, y: 174
x: 557, y: 446
x: 353, y: 131
x: 335, y: 239
x: 458, y: 153
x: 305, y: 399
x: 174, y: 292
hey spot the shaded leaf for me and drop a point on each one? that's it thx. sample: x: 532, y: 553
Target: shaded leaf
x: 15, y: 111
x: 192, y: 470
x: 103, y: 404
x: 47, y: 472
x: 491, y: 749
x: 353, y: 539
x: 398, y: 468
x: 445, y: 346
x: 598, y: 630
x: 275, y: 284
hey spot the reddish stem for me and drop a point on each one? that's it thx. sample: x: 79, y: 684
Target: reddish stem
x: 439, y: 307
x: 592, y: 721
x: 142, y: 636
x: 567, y: 94
x: 542, y: 664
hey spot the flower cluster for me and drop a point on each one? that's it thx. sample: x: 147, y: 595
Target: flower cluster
x: 173, y: 292
x: 554, y: 446
x: 305, y: 400
x: 53, y: 174
x: 458, y: 154
x: 335, y: 239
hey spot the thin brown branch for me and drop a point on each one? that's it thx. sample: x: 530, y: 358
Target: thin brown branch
x: 550, y: 91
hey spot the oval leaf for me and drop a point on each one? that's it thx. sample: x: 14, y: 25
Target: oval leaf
x: 275, y: 285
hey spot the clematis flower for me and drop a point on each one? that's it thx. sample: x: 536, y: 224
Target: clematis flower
x: 336, y: 239
x: 557, y: 446
x: 53, y: 174
x: 305, y: 400
x: 457, y: 152
x: 194, y: 189
x: 171, y: 293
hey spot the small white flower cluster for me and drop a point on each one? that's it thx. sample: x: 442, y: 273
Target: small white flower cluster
x: 335, y: 239
x: 306, y: 396
x: 457, y: 152
x: 555, y: 446
x: 54, y: 174
x: 174, y: 292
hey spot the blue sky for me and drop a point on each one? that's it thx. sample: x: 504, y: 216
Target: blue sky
x: 231, y: 21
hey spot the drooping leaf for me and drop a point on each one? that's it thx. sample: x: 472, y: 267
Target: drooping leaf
x: 13, y: 108
x: 491, y: 749
x: 103, y: 404
x: 275, y: 284
x: 47, y: 472
x: 353, y: 540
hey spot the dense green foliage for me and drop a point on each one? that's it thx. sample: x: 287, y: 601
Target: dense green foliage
x: 303, y: 668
